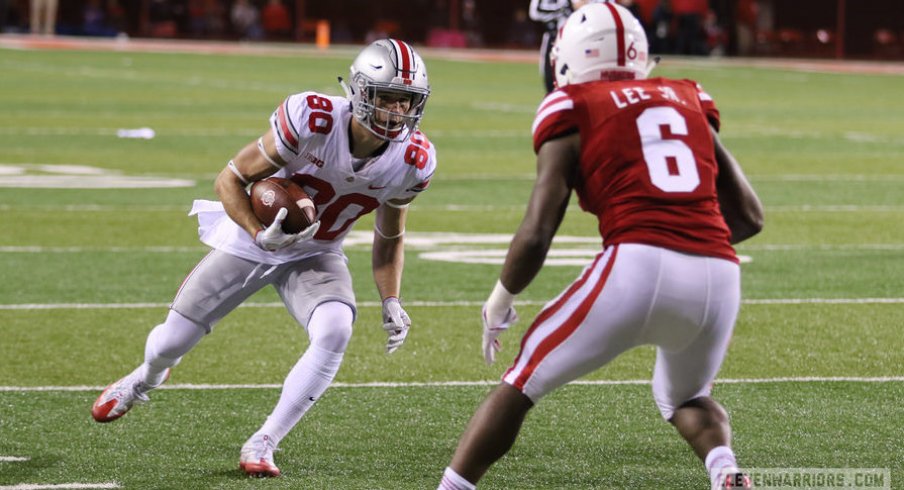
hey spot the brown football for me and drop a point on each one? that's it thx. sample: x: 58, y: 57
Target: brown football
x: 270, y: 194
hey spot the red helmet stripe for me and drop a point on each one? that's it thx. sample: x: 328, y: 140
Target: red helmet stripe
x: 619, y: 33
x: 405, y: 58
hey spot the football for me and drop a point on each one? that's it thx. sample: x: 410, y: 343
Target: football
x: 271, y: 194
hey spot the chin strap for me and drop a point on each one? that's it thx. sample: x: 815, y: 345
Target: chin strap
x: 346, y: 87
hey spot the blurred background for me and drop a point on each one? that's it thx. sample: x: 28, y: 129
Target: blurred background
x: 841, y: 29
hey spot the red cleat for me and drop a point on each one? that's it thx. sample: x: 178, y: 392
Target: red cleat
x: 118, y: 398
x: 257, y: 457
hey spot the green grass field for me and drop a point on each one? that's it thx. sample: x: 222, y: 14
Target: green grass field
x: 87, y: 272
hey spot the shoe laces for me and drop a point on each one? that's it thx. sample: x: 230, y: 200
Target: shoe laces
x: 140, y: 390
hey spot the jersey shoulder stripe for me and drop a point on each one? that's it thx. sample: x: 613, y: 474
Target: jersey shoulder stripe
x: 285, y: 129
x: 554, y: 103
x: 708, y: 105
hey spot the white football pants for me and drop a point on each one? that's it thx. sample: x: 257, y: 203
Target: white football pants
x: 632, y: 295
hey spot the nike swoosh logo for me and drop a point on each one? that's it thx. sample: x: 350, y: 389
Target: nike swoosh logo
x: 376, y: 67
x: 376, y: 187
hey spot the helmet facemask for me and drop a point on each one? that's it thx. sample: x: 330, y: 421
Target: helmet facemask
x: 389, y: 113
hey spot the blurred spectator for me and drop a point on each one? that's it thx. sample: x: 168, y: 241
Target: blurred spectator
x: 116, y: 17
x: 246, y: 20
x: 634, y: 8
x: 197, y: 20
x: 689, y: 37
x: 206, y: 18
x: 716, y: 38
x: 4, y: 12
x: 341, y: 33
x: 746, y: 26
x: 765, y: 17
x: 94, y: 20
x: 440, y: 34
x: 276, y: 20
x: 161, y: 19
x: 522, y: 32
x: 439, y: 15
x: 16, y: 16
x: 43, y: 17
x: 471, y: 24
x: 661, y: 27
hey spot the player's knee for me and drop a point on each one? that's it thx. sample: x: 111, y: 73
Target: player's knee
x: 169, y: 341
x: 703, y: 410
x: 334, y: 339
x: 330, y: 327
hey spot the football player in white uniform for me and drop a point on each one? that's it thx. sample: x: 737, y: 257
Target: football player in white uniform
x: 352, y: 155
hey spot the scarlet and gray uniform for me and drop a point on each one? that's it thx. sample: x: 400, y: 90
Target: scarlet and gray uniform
x: 668, y: 275
x: 312, y: 137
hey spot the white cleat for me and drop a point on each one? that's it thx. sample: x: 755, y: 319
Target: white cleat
x: 257, y: 457
x: 118, y: 398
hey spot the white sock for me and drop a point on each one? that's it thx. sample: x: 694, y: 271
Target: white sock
x: 166, y: 345
x: 453, y: 481
x: 719, y: 461
x: 329, y: 328
x: 310, y: 377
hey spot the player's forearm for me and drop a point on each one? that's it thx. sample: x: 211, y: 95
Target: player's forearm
x: 388, y: 261
x: 739, y: 203
x: 231, y: 192
x: 524, y: 260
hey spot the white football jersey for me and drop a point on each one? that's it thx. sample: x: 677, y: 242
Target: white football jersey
x: 312, y: 136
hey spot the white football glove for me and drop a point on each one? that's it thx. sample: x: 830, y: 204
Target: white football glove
x: 396, y: 322
x: 274, y: 238
x: 498, y: 315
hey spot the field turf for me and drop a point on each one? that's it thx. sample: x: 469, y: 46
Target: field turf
x: 814, y: 377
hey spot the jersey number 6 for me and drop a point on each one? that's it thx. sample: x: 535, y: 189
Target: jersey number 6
x: 671, y: 162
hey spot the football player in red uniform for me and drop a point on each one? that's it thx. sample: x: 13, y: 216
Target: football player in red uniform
x: 644, y: 156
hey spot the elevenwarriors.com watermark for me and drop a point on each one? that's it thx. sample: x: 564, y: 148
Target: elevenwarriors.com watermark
x: 816, y: 478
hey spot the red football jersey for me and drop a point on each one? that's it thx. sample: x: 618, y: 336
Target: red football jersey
x: 648, y: 170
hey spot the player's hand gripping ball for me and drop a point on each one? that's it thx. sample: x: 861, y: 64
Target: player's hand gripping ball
x: 271, y: 194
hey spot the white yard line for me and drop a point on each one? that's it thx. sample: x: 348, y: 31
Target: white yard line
x: 434, y: 304
x: 13, y: 459
x: 445, y: 384
x: 65, y: 250
x: 828, y: 178
x: 58, y: 486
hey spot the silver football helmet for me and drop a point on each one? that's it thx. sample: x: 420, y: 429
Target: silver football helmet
x: 389, y: 68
